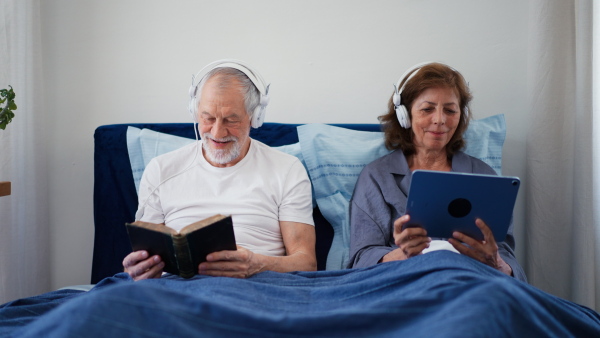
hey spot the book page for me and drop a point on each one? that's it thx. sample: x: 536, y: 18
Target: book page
x: 156, y: 227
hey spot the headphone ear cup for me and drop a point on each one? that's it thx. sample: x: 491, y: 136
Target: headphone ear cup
x: 258, y: 117
x: 193, y: 105
x: 403, y: 118
x: 192, y: 90
x: 193, y: 108
x: 401, y: 112
x: 259, y: 113
x: 264, y: 100
x: 396, y: 98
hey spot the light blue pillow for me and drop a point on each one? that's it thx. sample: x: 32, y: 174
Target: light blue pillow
x: 485, y: 138
x: 335, y: 157
x: 145, y: 144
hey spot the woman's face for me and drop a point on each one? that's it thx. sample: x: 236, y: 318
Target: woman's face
x: 435, y: 116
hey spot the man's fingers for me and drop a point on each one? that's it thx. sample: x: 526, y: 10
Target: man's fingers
x: 134, y: 257
x: 145, y: 268
x: 154, y: 272
x: 223, y: 269
x: 225, y: 255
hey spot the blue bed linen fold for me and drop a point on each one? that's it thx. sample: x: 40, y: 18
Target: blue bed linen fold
x: 439, y: 294
x: 20, y: 312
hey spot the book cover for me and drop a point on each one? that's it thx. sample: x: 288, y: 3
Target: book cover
x: 183, y: 251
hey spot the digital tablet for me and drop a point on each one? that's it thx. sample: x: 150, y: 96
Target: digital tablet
x: 443, y: 202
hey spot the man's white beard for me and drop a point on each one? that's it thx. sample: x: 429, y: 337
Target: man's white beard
x: 221, y: 156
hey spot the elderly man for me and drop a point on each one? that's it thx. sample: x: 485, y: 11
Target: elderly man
x: 267, y: 192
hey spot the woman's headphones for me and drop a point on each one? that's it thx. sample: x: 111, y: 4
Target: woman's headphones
x: 258, y: 116
x: 401, y: 110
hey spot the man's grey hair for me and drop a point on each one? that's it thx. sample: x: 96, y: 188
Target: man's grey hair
x: 227, y: 75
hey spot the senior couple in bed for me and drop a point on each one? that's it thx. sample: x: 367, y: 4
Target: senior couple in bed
x: 268, y: 193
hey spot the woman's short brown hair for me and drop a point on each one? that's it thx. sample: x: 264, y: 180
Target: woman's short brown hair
x: 431, y: 75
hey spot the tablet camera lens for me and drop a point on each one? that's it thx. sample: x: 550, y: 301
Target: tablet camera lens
x: 459, y: 207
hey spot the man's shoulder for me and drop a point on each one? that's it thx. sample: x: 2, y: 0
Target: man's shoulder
x: 183, y: 152
x: 172, y: 158
x: 273, y: 153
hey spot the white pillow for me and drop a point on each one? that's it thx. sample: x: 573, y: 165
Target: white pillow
x: 335, y: 157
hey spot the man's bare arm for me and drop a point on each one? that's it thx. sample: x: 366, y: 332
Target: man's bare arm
x: 298, y: 239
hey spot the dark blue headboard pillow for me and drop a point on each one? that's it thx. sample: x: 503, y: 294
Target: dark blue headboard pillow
x: 115, y: 196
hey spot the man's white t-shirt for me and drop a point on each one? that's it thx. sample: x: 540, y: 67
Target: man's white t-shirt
x: 267, y: 186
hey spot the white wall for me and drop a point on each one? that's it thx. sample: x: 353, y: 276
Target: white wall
x: 120, y: 61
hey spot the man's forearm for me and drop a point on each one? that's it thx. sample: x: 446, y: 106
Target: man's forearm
x: 298, y: 261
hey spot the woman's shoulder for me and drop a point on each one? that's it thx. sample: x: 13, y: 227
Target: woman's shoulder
x: 383, y: 171
x: 392, y: 162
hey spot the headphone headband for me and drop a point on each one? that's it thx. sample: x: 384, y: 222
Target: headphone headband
x: 243, y: 67
x: 255, y: 77
x: 413, y: 69
x: 401, y: 110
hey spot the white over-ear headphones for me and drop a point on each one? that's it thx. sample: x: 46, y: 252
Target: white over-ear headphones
x: 401, y: 110
x: 258, y: 116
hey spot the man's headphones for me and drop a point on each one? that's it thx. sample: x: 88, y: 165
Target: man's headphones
x: 401, y: 110
x: 258, y: 116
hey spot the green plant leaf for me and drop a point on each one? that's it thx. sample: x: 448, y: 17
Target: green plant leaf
x: 6, y: 114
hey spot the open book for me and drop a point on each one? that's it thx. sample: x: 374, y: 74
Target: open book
x: 183, y: 251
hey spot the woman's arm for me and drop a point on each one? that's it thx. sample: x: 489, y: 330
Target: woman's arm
x: 368, y: 242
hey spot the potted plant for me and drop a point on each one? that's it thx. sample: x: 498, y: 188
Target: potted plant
x: 7, y: 96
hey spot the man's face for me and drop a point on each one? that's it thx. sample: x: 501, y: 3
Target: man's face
x: 223, y: 123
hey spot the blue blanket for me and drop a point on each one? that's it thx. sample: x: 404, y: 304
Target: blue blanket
x: 437, y: 294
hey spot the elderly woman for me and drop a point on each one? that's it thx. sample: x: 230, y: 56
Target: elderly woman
x: 424, y: 125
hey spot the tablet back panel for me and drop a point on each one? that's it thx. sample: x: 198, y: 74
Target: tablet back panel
x: 443, y: 202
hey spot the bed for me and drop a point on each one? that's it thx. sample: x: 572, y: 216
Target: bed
x: 436, y: 294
